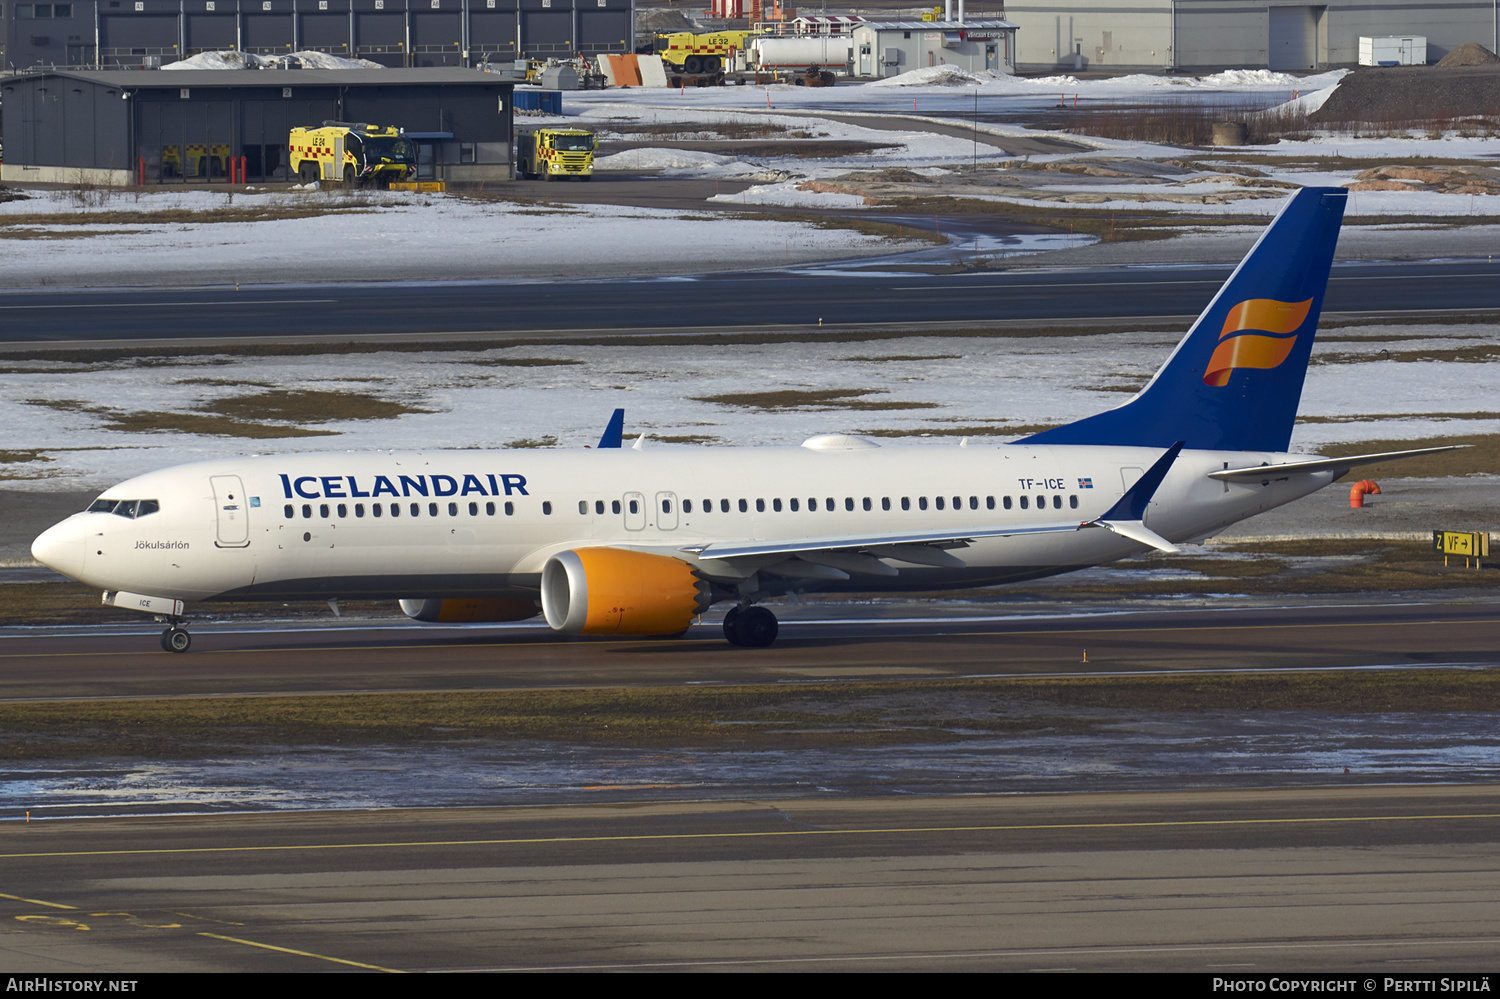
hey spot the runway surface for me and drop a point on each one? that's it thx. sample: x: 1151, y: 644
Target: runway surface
x: 1366, y: 881
x: 616, y: 308
x: 256, y: 659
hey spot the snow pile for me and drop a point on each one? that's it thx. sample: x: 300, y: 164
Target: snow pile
x: 249, y: 60
x: 668, y: 160
x: 936, y: 76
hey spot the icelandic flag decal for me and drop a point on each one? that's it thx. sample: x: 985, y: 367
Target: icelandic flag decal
x: 1085, y: 483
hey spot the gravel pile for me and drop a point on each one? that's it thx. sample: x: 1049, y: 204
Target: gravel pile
x: 1469, y: 54
x: 1405, y: 94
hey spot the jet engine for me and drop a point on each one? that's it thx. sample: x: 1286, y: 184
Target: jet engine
x: 464, y: 610
x: 613, y: 591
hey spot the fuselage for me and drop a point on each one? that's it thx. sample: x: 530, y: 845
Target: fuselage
x: 445, y: 524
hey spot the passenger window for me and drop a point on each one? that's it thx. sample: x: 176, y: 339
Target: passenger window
x: 812, y: 503
x: 1041, y: 502
x: 599, y: 507
x: 583, y: 508
x: 1057, y: 502
x: 343, y: 510
x: 866, y: 504
x: 307, y: 511
x: 473, y: 509
x: 453, y: 509
x: 939, y: 501
x: 776, y: 504
x: 744, y: 507
x: 510, y: 508
x: 376, y: 509
x: 989, y: 502
x: 1006, y: 502
x: 906, y: 502
x: 635, y: 506
x: 323, y: 511
x: 416, y: 509
x: 885, y: 502
x: 760, y: 506
x: 547, y: 508
x: 828, y: 505
x: 723, y: 506
x: 793, y: 502
x: 489, y: 509
x: 849, y: 503
x: 666, y: 506
x: 687, y: 506
x: 395, y: 509
x: 921, y: 502
x: 1073, y: 502
x: 1023, y: 502
x: 614, y: 506
x: 973, y: 502
x: 432, y: 509
x: 288, y: 511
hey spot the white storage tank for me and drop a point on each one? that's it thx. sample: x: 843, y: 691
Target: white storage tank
x: 1393, y: 50
x: 831, y: 52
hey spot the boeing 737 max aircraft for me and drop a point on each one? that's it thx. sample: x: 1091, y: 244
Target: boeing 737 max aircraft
x: 639, y: 541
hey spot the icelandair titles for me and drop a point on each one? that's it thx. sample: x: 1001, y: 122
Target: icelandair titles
x: 335, y: 486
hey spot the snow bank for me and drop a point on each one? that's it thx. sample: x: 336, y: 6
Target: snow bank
x: 249, y: 60
x: 935, y: 76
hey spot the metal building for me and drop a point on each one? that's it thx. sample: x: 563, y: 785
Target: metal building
x: 890, y: 48
x: 126, y: 127
x: 105, y: 34
x: 1202, y: 35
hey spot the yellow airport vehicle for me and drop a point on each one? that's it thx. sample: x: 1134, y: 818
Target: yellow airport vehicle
x: 548, y: 153
x: 687, y: 52
x: 351, y: 152
x: 202, y: 160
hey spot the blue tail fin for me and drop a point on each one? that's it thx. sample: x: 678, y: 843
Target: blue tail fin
x: 1234, y: 382
x: 614, y: 430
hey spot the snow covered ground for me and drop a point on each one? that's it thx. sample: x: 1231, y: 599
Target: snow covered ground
x: 940, y: 387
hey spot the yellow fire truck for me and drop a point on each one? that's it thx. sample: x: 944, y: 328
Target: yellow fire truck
x: 555, y: 152
x: 687, y: 52
x: 351, y: 152
x: 202, y: 160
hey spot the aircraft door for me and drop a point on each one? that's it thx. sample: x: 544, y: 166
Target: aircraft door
x: 666, y: 511
x: 233, y: 511
x: 635, y: 511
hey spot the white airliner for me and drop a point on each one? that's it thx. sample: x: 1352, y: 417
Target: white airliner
x: 640, y: 541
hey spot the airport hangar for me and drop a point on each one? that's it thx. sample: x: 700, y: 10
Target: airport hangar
x: 121, y: 127
x: 106, y: 34
x: 1207, y: 35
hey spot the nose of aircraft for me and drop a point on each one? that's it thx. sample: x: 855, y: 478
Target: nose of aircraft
x: 61, y: 547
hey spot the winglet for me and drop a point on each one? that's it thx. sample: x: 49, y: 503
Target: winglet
x: 1132, y: 506
x: 614, y: 432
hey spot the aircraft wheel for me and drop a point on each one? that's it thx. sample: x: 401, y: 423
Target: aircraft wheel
x: 756, y: 627
x: 730, y: 634
x: 176, y: 640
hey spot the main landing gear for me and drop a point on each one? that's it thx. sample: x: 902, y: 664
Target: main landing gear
x: 750, y: 626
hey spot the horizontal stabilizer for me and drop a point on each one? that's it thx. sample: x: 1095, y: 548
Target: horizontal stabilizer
x: 1260, y: 473
x: 1137, y: 531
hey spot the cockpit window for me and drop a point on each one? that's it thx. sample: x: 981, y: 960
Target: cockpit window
x: 131, y: 509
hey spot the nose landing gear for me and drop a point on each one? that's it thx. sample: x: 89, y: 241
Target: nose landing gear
x: 176, y: 639
x: 751, y: 626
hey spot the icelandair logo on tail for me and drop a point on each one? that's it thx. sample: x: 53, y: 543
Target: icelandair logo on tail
x: 1255, y: 350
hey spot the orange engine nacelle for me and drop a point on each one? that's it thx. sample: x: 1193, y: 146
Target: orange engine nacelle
x: 612, y: 591
x: 464, y: 610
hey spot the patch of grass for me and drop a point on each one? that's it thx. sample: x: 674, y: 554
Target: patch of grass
x: 810, y: 400
x: 246, y: 416
x: 816, y: 714
x: 900, y: 358
x: 525, y: 362
x: 546, y: 440
x: 965, y: 431
x: 1403, y: 416
x: 1481, y: 454
x: 684, y: 438
x: 309, y: 406
x: 265, y: 213
x: 852, y: 223
x: 1473, y: 354
x: 14, y: 232
x: 21, y: 457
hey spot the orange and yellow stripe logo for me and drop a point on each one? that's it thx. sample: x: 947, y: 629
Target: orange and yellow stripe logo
x: 1255, y: 350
